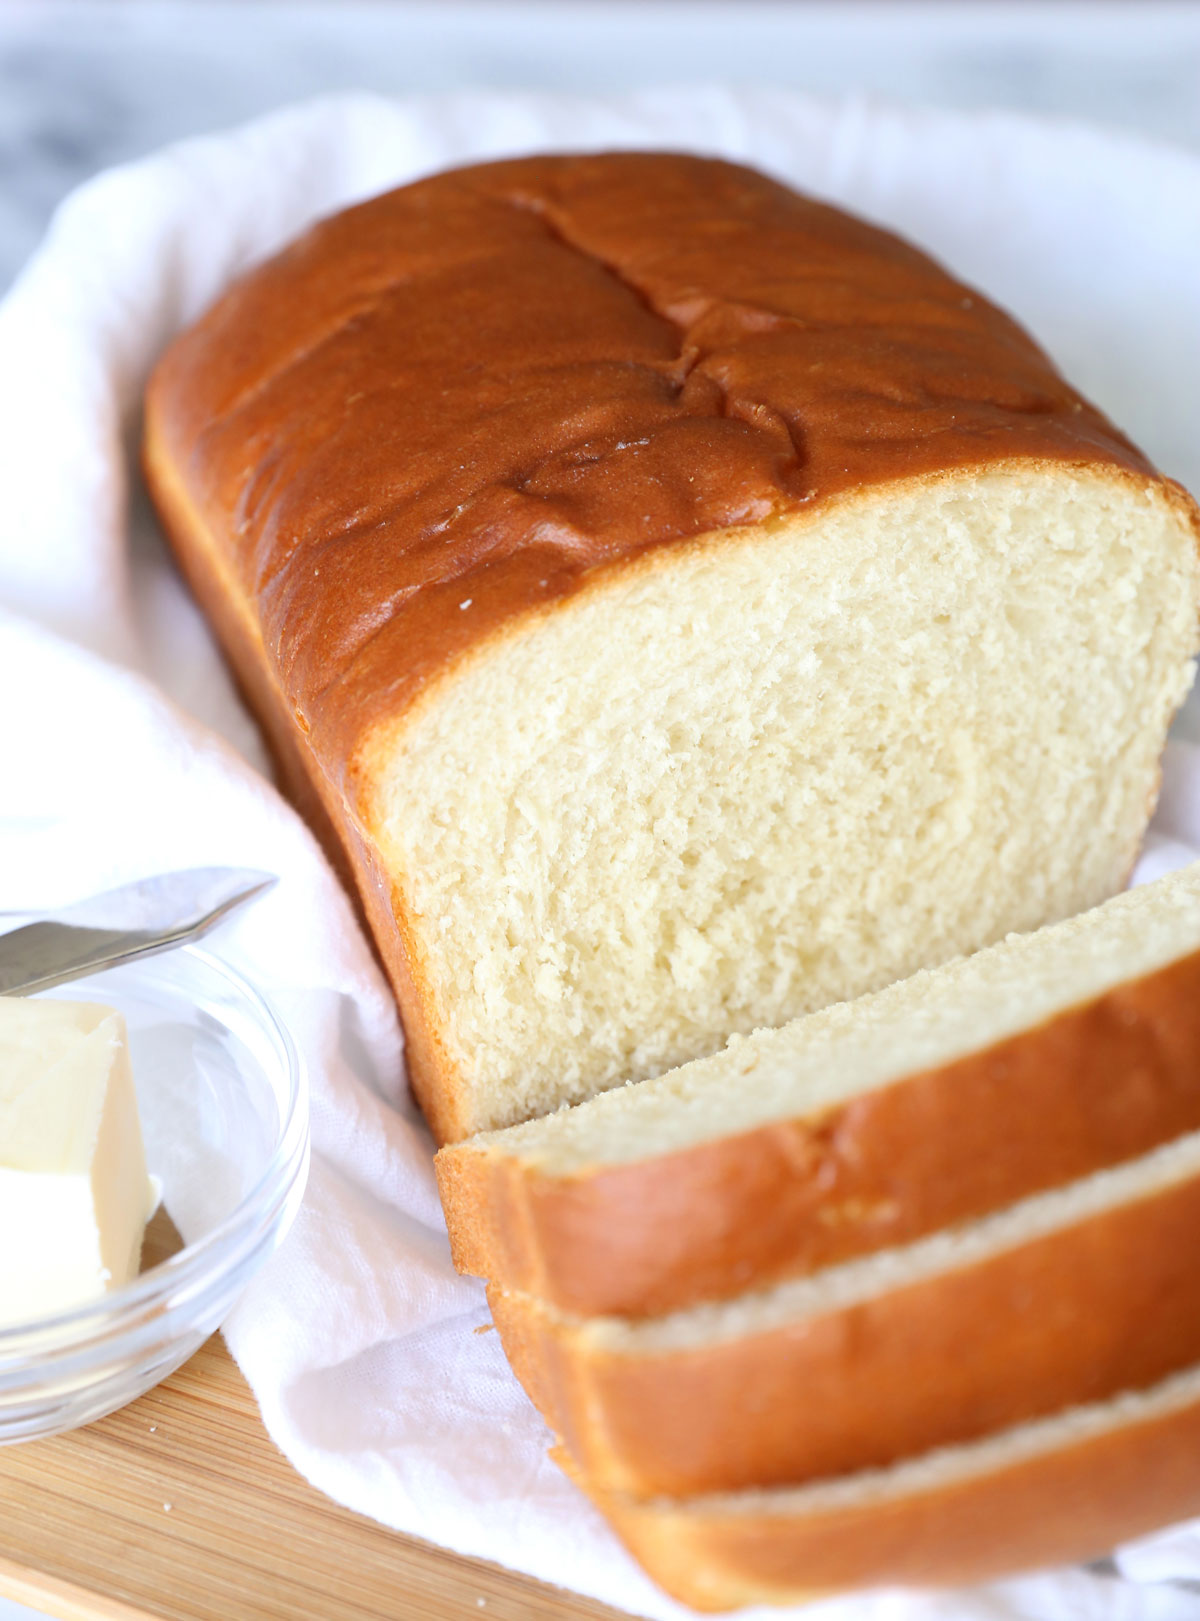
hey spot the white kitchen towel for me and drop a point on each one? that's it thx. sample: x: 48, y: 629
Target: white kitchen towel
x: 125, y: 751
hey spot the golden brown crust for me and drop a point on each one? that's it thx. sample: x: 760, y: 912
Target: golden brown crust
x: 1098, y: 1084
x: 628, y: 349
x: 1071, y: 1504
x: 323, y: 805
x: 1109, y: 1304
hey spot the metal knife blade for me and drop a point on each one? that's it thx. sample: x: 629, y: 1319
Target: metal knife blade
x: 136, y: 920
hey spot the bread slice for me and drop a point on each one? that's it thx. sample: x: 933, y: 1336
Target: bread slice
x: 869, y: 1124
x: 1068, y: 1297
x: 682, y: 605
x: 1063, y: 1489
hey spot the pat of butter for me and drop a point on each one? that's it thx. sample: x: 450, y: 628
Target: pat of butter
x: 74, y: 1194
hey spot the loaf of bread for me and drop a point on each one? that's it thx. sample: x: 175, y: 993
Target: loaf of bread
x: 682, y: 605
x: 1056, y: 1491
x: 870, y: 1124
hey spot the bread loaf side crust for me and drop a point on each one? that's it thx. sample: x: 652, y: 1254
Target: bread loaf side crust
x: 1071, y: 1504
x: 318, y: 798
x: 1079, y: 1315
x: 1100, y: 1083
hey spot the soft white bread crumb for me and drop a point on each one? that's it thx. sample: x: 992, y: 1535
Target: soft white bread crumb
x: 920, y: 1023
x: 768, y: 772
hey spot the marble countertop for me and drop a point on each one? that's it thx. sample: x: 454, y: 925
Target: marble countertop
x: 88, y: 83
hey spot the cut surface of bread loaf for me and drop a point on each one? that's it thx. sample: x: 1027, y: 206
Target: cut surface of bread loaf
x: 1067, y: 1297
x: 1058, y: 1491
x: 683, y: 605
x: 866, y: 1125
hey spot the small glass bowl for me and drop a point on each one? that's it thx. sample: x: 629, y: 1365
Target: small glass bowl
x: 224, y: 1107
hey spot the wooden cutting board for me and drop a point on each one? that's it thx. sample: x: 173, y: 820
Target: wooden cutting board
x: 86, y: 1532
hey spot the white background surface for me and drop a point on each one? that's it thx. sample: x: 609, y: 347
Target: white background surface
x: 86, y: 84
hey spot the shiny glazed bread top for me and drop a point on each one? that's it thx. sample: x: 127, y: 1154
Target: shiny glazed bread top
x: 481, y: 387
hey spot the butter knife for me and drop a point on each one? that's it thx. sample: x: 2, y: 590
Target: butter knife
x: 136, y: 920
